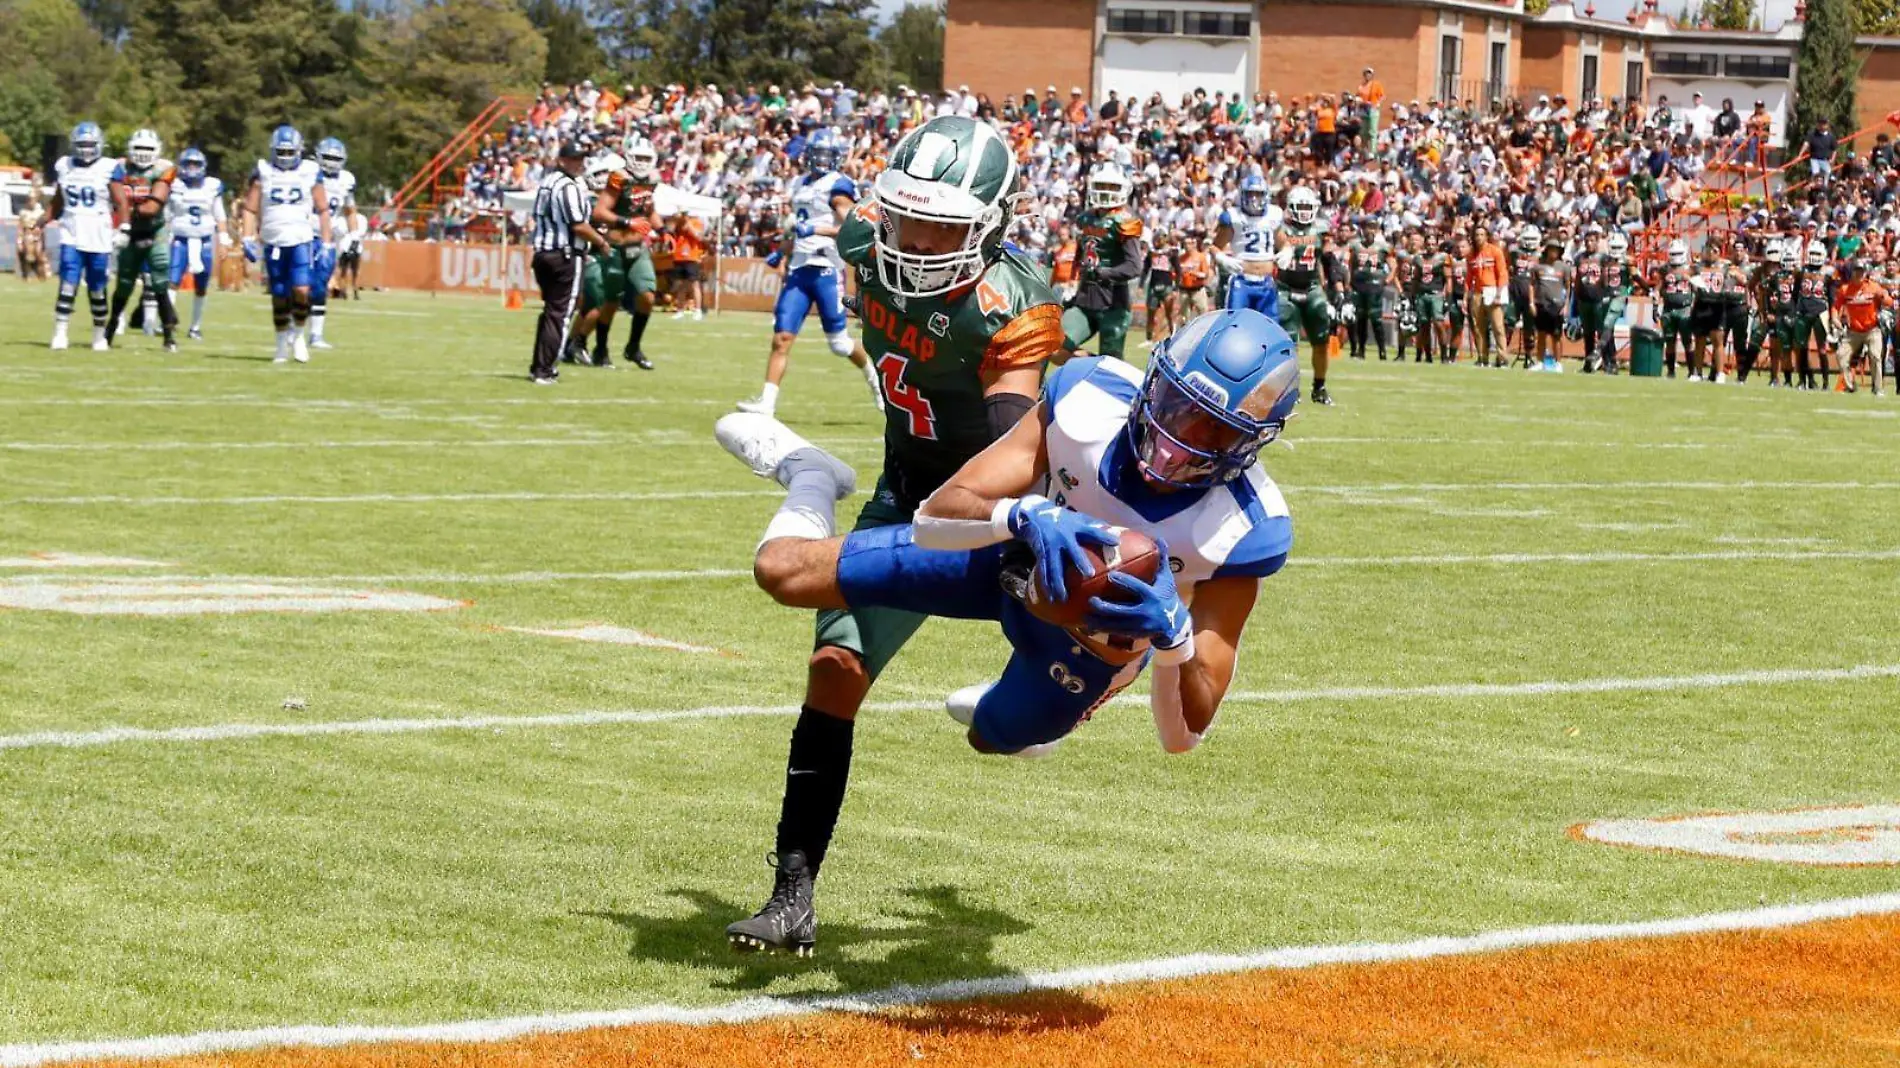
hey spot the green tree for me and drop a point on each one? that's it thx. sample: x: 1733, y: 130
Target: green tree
x: 54, y: 36
x: 1536, y: 7
x: 1826, y: 69
x: 574, y: 50
x: 30, y: 108
x: 1727, y: 14
x: 913, y: 46
x: 1880, y: 17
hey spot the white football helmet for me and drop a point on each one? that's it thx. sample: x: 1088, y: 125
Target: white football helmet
x: 1302, y: 205
x: 642, y: 161
x: 1618, y: 244
x: 141, y: 149
x: 1678, y: 253
x: 1817, y: 254
x: 1771, y: 252
x: 603, y: 167
x: 1108, y: 187
x: 1529, y: 239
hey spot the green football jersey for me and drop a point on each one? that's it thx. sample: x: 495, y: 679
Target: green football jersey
x: 139, y: 183
x: 930, y: 353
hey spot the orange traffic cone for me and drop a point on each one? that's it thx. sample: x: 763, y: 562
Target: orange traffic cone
x: 513, y: 303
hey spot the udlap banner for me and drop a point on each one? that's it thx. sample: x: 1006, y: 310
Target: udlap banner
x: 451, y: 267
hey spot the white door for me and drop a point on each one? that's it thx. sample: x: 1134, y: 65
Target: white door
x: 1173, y: 66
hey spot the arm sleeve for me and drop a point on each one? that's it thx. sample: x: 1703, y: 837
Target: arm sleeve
x: 1026, y: 340
x: 1005, y: 410
x: 1130, y: 266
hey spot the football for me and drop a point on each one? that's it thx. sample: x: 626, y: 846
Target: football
x: 1136, y: 555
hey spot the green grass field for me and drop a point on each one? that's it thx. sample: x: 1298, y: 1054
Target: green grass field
x: 1453, y: 526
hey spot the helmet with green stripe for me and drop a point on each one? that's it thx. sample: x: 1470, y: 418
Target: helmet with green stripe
x: 943, y: 204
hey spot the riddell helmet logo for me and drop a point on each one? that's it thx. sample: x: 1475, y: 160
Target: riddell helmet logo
x: 916, y: 198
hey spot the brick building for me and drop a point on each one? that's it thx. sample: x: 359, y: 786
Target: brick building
x: 1467, y: 49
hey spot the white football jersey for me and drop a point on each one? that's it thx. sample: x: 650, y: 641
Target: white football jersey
x: 284, y: 202
x: 196, y: 210
x: 1240, y: 527
x: 1253, y: 234
x: 811, y: 202
x: 85, y: 219
x: 340, y: 189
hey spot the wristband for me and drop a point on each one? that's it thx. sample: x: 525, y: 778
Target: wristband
x: 1000, y: 517
x: 1179, y: 653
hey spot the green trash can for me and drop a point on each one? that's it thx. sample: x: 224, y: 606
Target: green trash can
x: 1646, y: 352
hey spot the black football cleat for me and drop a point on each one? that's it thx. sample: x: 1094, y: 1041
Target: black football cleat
x: 638, y: 359
x: 787, y: 923
x: 1320, y: 396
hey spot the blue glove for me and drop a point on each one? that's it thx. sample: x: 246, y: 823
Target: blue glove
x: 251, y: 251
x: 773, y: 258
x: 1144, y: 610
x: 1057, y: 535
x: 803, y: 229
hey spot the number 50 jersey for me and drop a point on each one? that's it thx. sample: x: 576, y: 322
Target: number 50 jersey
x: 284, y: 198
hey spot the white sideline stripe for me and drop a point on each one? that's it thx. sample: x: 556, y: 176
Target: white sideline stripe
x: 607, y: 634
x: 244, y: 731
x: 755, y: 1009
x: 525, y: 495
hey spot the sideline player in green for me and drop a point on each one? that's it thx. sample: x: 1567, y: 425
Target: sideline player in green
x: 1310, y: 282
x: 958, y: 329
x: 1108, y: 258
x: 1369, y: 264
x: 623, y: 208
x: 147, y: 250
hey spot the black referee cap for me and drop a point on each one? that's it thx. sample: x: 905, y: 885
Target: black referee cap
x: 573, y: 150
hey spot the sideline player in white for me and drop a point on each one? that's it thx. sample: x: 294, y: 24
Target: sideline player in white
x: 822, y: 198
x: 339, y: 188
x: 89, y: 201
x: 1250, y: 274
x: 1170, y: 453
x: 199, y: 228
x: 285, y: 206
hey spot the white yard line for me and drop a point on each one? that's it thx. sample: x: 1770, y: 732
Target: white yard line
x: 1331, y: 491
x: 244, y: 731
x: 754, y: 1009
x: 578, y: 440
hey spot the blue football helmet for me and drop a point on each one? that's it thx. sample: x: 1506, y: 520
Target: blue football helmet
x: 331, y: 156
x: 1217, y: 392
x: 192, y: 165
x: 825, y: 151
x: 286, y: 147
x: 88, y: 142
x: 1254, y: 196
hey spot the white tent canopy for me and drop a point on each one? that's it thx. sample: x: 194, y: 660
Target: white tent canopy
x: 667, y: 200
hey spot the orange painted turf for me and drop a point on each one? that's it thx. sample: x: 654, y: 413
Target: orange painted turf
x: 1823, y: 995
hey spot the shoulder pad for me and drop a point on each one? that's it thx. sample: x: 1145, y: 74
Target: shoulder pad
x: 1129, y: 226
x: 844, y: 187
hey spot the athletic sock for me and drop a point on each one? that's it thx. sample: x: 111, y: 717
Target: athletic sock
x: 810, y: 506
x: 816, y: 773
x: 639, y: 330
x: 197, y: 310
x: 769, y: 394
x: 601, y: 330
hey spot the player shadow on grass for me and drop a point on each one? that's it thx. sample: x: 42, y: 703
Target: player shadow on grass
x: 942, y: 947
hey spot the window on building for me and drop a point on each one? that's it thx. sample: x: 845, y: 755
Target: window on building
x: 1589, y: 89
x: 1686, y: 64
x: 1215, y: 23
x: 1451, y: 63
x: 1757, y: 68
x: 1633, y: 79
x: 1500, y: 68
x: 1140, y: 21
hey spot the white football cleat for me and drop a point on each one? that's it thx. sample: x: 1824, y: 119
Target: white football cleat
x: 299, y: 351
x: 757, y: 406
x: 99, y: 342
x: 283, y: 349
x: 961, y: 704
x: 773, y: 450
x: 59, y: 342
x: 319, y: 343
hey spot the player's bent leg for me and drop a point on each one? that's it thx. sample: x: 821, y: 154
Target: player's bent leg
x: 800, y: 572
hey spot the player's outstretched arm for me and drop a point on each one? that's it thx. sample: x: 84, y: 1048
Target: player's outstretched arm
x: 972, y: 509
x: 1188, y: 693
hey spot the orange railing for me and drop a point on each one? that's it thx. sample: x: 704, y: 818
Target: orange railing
x: 448, y: 161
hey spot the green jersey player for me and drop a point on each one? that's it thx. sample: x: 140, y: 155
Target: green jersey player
x: 1108, y: 257
x: 1309, y: 281
x: 958, y: 330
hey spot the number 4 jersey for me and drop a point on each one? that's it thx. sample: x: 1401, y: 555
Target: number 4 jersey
x: 284, y: 198
x: 931, y: 351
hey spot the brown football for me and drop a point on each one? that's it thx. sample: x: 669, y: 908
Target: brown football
x: 1136, y: 555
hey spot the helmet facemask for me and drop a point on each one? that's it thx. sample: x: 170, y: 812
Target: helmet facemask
x: 929, y: 274
x: 1302, y: 206
x: 1108, y: 189
x: 641, y: 160
x: 141, y: 150
x: 1185, y: 437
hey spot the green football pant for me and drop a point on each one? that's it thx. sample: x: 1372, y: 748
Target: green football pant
x: 1307, y: 313
x: 1080, y: 324
x: 144, y: 254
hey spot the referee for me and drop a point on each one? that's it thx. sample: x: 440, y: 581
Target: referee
x: 561, y: 230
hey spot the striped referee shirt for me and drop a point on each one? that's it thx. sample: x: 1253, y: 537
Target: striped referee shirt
x: 558, y: 205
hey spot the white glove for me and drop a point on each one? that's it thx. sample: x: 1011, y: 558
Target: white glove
x: 1283, y: 259
x: 224, y: 239
x: 1347, y: 313
x: 121, y: 239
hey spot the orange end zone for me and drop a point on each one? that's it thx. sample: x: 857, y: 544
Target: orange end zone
x: 1827, y: 994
